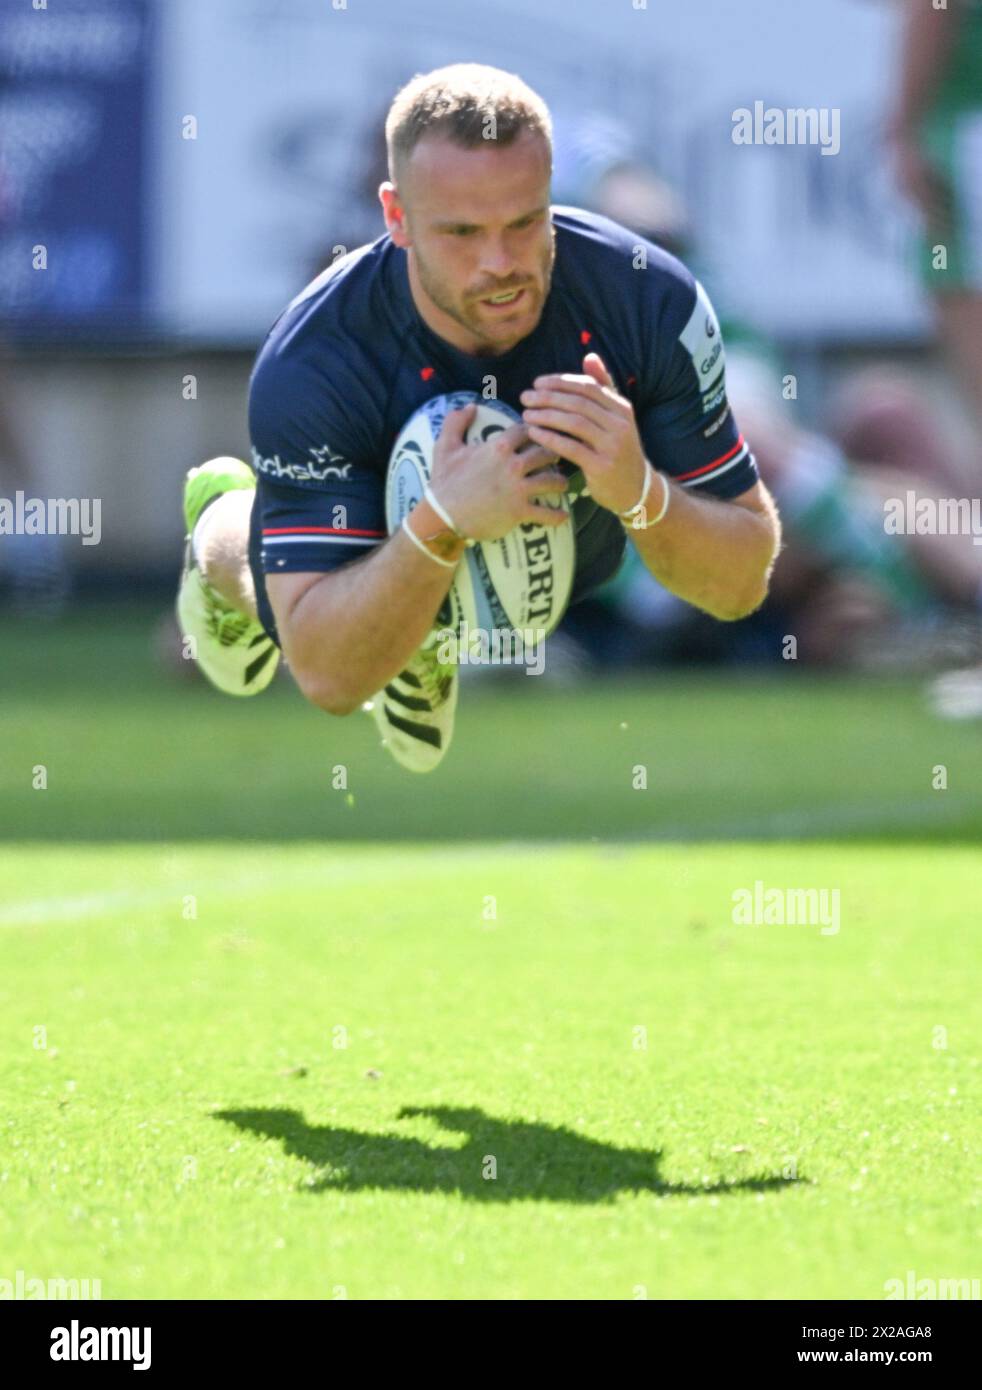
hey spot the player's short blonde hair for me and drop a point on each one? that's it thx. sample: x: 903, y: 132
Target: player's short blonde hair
x: 467, y: 103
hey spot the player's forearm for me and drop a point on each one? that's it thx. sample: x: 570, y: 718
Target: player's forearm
x: 355, y: 628
x: 716, y: 555
x: 928, y: 35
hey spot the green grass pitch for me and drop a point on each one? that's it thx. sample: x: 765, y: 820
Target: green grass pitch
x: 494, y: 1034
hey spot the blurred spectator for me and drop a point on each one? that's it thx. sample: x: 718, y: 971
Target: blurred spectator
x: 936, y: 132
x: 596, y: 166
x: 33, y: 572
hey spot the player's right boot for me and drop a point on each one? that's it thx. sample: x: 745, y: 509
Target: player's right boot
x: 232, y: 649
x: 415, y: 712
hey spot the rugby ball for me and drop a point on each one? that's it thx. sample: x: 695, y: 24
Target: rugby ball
x: 521, y: 582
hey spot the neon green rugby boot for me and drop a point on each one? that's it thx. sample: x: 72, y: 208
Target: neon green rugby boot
x: 415, y: 712
x: 232, y: 649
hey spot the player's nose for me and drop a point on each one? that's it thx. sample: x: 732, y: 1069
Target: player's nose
x: 497, y: 261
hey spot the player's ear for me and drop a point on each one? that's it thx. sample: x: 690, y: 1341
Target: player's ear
x: 393, y: 212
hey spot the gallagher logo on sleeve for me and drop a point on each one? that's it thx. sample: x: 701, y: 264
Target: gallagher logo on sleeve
x: 702, y: 341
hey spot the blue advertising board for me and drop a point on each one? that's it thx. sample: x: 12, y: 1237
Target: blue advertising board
x: 74, y: 83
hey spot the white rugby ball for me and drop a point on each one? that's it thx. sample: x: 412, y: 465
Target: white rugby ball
x: 522, y: 581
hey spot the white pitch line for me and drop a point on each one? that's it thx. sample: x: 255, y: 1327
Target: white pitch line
x: 69, y: 909
x: 772, y: 828
x: 32, y: 911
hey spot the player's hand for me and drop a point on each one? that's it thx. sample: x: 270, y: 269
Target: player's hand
x: 585, y: 420
x: 491, y: 487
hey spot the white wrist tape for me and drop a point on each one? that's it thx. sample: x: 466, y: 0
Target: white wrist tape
x: 443, y: 514
x: 447, y: 564
x: 632, y: 511
x: 634, y: 517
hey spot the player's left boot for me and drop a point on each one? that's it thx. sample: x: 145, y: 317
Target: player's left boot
x: 415, y: 712
x: 232, y: 649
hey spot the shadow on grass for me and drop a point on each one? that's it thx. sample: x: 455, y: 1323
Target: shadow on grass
x: 532, y: 1160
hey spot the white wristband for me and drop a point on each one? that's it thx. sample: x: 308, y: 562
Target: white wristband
x: 447, y: 564
x: 631, y: 511
x: 635, y: 522
x: 443, y: 514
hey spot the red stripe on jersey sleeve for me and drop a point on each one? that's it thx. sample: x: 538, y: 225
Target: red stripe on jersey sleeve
x: 708, y: 467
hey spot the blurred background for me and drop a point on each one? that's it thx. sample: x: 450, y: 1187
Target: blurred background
x: 172, y: 173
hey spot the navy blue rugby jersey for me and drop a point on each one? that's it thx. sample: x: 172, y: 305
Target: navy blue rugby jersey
x: 350, y: 359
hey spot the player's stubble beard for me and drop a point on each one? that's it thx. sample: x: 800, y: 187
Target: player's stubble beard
x: 463, y: 309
